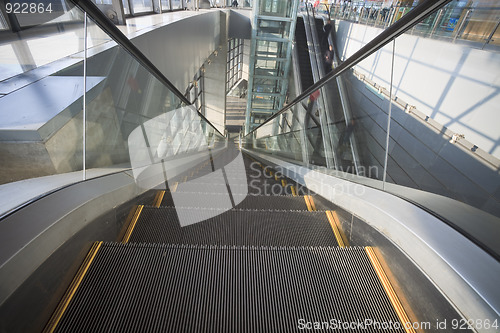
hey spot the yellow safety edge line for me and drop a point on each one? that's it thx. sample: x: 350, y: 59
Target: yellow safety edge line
x: 159, y: 199
x: 339, y: 227
x: 294, y: 193
x: 283, y: 182
x: 132, y: 224
x: 396, y: 304
x: 156, y: 198
x: 63, y: 305
x: 174, y: 187
x: 306, y: 199
x: 336, y: 232
x: 313, y: 206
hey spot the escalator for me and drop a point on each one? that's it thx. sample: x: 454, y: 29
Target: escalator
x: 277, y: 261
x: 306, y: 76
x: 307, y: 80
x: 248, y: 250
x: 319, y: 23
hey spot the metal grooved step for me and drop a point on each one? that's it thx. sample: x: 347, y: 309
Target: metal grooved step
x: 268, y: 187
x: 165, y: 288
x: 233, y: 227
x: 249, y: 202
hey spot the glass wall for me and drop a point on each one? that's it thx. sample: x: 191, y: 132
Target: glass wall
x: 195, y: 91
x: 25, y: 47
x: 476, y: 21
x: 279, y: 8
x: 19, y: 15
x: 165, y: 4
x: 142, y: 6
x: 126, y: 7
x: 413, y: 119
x: 146, y: 6
x: 234, y: 70
x: 3, y: 22
x: 90, y: 112
x: 176, y: 4
x: 278, y: 29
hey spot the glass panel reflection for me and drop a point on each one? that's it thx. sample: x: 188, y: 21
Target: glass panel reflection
x: 279, y: 29
x: 279, y: 8
x: 41, y: 118
x: 134, y: 121
x: 44, y: 117
x: 176, y: 4
x: 126, y: 7
x: 440, y: 119
x: 165, y: 4
x: 23, y: 51
x: 142, y: 6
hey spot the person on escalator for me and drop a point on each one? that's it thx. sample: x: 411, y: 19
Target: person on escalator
x: 327, y: 28
x: 328, y: 58
x: 311, y: 101
x: 345, y: 140
x: 312, y: 127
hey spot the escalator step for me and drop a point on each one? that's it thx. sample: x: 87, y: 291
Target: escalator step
x: 233, y: 227
x: 214, y: 200
x: 256, y: 186
x: 179, y: 288
x: 306, y: 77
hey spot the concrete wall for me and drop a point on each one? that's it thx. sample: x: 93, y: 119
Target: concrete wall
x: 420, y: 156
x: 456, y: 85
x: 215, y: 80
x: 179, y: 49
x: 240, y: 25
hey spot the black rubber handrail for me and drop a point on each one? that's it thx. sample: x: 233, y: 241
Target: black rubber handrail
x: 108, y: 27
x: 413, y: 17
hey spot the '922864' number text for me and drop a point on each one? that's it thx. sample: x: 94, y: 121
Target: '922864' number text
x: 28, y: 8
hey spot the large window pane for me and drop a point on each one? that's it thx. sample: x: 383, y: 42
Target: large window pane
x: 176, y: 4
x: 142, y: 6
x: 281, y: 8
x: 26, y: 50
x: 165, y: 4
x: 126, y: 7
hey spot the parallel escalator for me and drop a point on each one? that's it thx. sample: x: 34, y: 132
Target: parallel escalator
x: 306, y: 76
